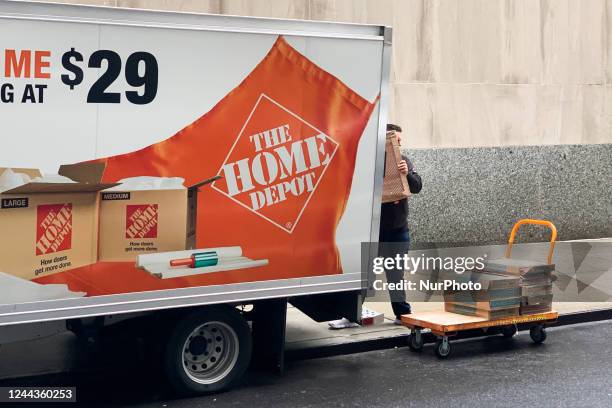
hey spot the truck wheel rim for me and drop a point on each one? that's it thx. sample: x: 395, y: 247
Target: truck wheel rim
x: 210, y: 352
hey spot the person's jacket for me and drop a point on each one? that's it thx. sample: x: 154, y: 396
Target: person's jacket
x: 394, y: 215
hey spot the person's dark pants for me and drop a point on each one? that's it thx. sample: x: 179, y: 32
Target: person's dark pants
x: 402, y: 239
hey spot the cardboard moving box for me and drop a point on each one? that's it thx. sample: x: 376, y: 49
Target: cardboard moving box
x: 137, y: 222
x: 50, y: 227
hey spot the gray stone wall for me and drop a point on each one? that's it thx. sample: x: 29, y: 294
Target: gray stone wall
x: 474, y: 195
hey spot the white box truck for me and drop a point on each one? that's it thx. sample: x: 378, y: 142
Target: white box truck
x: 178, y: 166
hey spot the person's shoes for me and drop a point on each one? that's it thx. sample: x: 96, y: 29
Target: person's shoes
x: 397, y: 322
x: 343, y: 323
x: 401, y: 308
x: 408, y: 309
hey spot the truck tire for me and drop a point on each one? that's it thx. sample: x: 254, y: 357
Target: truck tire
x: 208, y: 351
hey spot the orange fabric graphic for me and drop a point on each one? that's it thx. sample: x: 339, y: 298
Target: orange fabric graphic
x: 285, y: 141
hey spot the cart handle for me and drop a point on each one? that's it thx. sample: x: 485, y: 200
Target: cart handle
x: 553, y: 236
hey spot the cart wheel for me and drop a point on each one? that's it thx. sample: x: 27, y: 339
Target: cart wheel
x: 416, y: 340
x: 538, y: 334
x: 442, y: 348
x: 509, y: 331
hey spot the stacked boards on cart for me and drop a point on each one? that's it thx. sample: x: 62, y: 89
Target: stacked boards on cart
x: 498, y: 297
x: 535, y: 279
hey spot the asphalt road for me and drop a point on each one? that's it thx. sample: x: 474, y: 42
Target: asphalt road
x: 571, y: 369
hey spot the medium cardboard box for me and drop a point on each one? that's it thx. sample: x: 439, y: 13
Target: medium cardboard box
x: 50, y: 227
x: 133, y: 223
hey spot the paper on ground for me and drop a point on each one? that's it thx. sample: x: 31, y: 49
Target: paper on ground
x: 343, y: 323
x: 16, y: 290
x: 230, y: 258
x: 141, y: 183
x: 370, y: 317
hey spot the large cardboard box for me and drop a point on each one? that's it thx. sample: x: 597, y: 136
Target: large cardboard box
x: 138, y: 222
x: 50, y: 227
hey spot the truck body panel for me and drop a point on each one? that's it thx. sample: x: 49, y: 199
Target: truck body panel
x: 290, y: 114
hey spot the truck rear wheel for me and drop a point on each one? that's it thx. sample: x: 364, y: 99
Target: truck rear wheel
x: 208, y: 351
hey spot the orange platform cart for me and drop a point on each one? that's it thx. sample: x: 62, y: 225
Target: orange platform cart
x: 445, y: 325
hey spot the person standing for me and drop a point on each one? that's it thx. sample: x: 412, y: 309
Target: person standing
x: 394, y: 228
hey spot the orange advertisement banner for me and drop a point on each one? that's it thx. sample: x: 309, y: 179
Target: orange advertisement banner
x: 285, y: 143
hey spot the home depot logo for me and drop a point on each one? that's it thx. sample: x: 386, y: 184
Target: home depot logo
x: 275, y: 164
x: 141, y: 221
x: 53, y: 228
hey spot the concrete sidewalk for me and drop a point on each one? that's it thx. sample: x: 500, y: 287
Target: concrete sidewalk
x: 303, y: 333
x: 584, y: 282
x: 584, y: 270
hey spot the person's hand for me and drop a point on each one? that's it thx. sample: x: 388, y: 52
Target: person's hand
x: 403, y: 167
